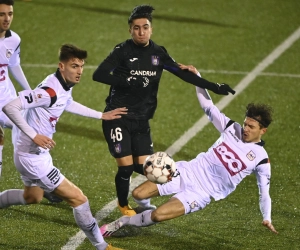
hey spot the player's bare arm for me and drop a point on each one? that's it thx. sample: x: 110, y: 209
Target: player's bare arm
x: 269, y: 225
x: 44, y: 141
x: 114, y: 114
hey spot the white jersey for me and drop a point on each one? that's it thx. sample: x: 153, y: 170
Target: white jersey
x: 43, y: 107
x: 9, y: 57
x: 229, y: 160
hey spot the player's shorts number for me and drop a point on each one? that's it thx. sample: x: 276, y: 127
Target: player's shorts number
x: 116, y: 134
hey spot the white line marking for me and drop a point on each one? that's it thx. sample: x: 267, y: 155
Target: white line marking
x: 208, y: 71
x: 197, y: 127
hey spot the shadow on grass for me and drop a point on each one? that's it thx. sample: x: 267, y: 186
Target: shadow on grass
x: 82, y: 131
x: 180, y: 19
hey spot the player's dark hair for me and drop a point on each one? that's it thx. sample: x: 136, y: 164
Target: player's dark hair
x: 69, y: 51
x: 7, y: 2
x: 141, y: 11
x: 261, y: 113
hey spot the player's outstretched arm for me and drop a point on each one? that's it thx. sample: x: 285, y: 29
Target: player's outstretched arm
x: 269, y: 225
x: 189, y: 68
x: 220, y: 89
x: 114, y: 114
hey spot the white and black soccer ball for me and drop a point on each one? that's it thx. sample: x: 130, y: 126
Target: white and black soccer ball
x: 159, y: 167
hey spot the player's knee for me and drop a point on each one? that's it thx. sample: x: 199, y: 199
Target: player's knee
x: 137, y: 194
x: 125, y: 171
x: 32, y: 199
x: 156, y: 216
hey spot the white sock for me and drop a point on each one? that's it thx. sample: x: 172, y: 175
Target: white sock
x: 143, y: 202
x: 12, y: 197
x: 88, y: 225
x: 140, y: 220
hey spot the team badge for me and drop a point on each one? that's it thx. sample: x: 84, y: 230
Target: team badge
x: 118, y: 148
x: 194, y: 204
x: 8, y: 53
x: 39, y: 95
x: 251, y: 156
x: 155, y: 60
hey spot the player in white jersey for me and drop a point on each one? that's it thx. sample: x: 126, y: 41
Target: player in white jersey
x: 34, y: 131
x: 9, y: 60
x: 213, y: 174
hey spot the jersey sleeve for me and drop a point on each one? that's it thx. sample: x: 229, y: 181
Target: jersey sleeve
x: 39, y: 97
x: 263, y: 176
x: 79, y: 109
x: 218, y: 119
x: 14, y: 60
x: 185, y: 75
x: 104, y: 71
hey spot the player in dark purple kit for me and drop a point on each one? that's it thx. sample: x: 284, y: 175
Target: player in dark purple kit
x: 133, y: 70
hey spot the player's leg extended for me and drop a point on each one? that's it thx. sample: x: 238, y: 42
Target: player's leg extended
x: 30, y: 195
x: 169, y: 210
x: 142, y: 195
x: 82, y: 212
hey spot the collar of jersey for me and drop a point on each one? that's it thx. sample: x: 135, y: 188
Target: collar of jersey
x: 64, y: 84
x: 7, y: 33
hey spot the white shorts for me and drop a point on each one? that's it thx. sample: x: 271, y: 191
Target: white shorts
x: 38, y: 170
x: 192, y: 196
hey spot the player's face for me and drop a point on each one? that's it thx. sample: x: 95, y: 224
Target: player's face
x: 6, y: 17
x: 141, y: 31
x: 72, y: 70
x: 252, y: 131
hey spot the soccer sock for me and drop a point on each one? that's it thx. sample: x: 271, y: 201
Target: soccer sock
x: 143, y: 202
x: 122, y: 181
x: 88, y: 225
x: 139, y: 168
x: 139, y: 220
x: 12, y: 197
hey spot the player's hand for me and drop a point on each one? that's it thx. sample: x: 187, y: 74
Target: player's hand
x: 224, y: 89
x: 269, y: 225
x: 137, y: 81
x: 114, y: 114
x: 44, y: 141
x: 189, y: 68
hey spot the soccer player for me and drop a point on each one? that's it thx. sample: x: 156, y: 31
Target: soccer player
x: 33, y: 132
x: 10, y: 60
x: 237, y: 153
x: 133, y: 69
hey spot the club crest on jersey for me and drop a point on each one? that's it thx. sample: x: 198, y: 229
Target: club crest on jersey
x: 194, y: 204
x: 8, y: 53
x: 251, y: 156
x: 155, y: 60
x: 118, y: 148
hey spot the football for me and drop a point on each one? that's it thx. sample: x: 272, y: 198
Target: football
x: 159, y: 167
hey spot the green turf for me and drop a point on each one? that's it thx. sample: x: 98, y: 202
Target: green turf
x: 233, y: 35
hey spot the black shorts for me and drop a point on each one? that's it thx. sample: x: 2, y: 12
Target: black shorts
x: 128, y: 137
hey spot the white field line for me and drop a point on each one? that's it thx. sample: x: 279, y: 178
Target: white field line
x: 223, y: 72
x: 76, y: 240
